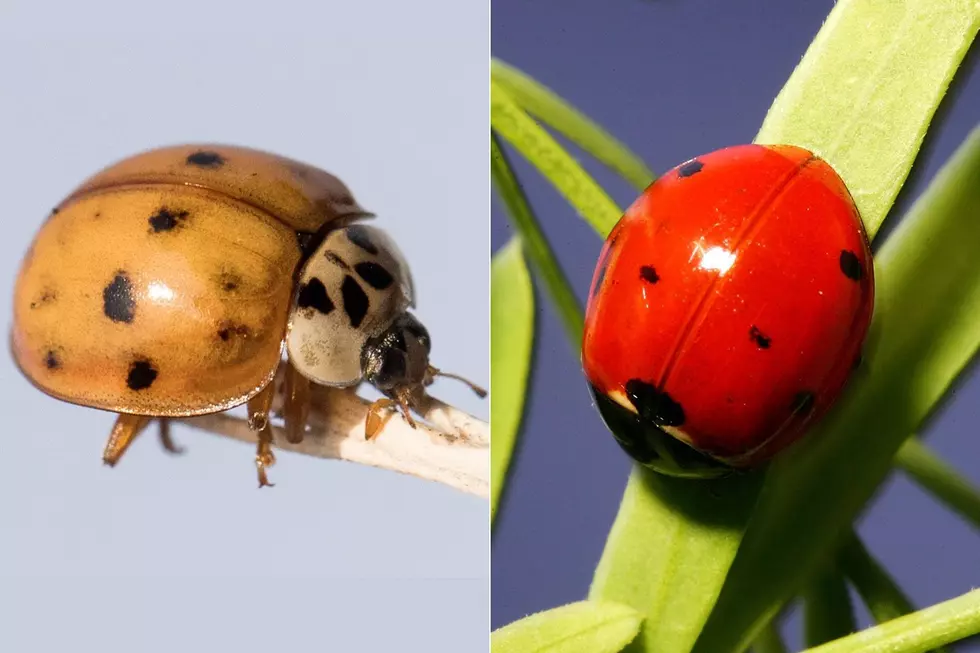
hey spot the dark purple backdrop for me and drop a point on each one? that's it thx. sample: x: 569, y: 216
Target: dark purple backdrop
x: 672, y: 79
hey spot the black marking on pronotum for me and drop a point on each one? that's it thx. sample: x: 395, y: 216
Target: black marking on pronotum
x: 376, y: 276
x: 166, y: 220
x: 142, y: 374
x: 228, y: 330
x: 334, y: 258
x: 355, y: 301
x: 850, y: 265
x: 690, y: 168
x: 313, y: 294
x: 654, y: 405
x: 803, y: 403
x: 205, y: 159
x: 118, y: 302
x: 359, y: 236
x: 648, y: 274
x: 762, y: 340
x: 51, y: 360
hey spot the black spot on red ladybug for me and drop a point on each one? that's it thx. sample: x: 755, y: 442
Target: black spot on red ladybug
x: 205, y: 159
x: 142, y: 374
x: 355, y: 301
x: 229, y: 330
x: 690, y: 168
x: 654, y: 405
x: 313, y: 294
x: 334, y: 258
x: 359, y: 236
x: 166, y: 220
x: 850, y: 265
x: 648, y: 274
x: 760, y: 339
x: 376, y: 276
x: 118, y: 302
x: 803, y: 403
x: 51, y: 360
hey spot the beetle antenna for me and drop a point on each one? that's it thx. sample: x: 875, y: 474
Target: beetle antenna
x: 433, y: 372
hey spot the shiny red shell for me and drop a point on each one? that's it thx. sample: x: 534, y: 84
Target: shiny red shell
x: 730, y: 304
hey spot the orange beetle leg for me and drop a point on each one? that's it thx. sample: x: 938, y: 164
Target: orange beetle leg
x: 124, y: 431
x: 167, y: 440
x: 258, y: 420
x: 378, y: 415
x: 296, y: 404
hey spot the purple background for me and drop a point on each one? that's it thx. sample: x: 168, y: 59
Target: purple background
x: 673, y: 79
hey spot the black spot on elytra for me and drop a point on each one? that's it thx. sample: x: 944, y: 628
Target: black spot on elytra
x: 46, y: 297
x: 54, y: 211
x: 205, y: 159
x: 166, y: 220
x: 359, y: 236
x: 654, y: 405
x: 229, y: 281
x: 118, y: 302
x: 648, y: 274
x: 51, y: 360
x: 850, y: 265
x: 355, y: 301
x: 803, y: 403
x: 376, y: 276
x: 762, y: 340
x: 142, y: 374
x: 229, y: 330
x: 313, y: 294
x: 690, y: 168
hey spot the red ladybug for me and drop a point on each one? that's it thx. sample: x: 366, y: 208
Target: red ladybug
x: 728, y: 309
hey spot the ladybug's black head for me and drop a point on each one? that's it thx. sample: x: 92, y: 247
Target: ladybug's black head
x: 398, y: 357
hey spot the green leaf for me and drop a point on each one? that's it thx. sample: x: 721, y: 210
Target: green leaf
x: 583, y: 627
x: 669, y: 550
x: 535, y: 244
x: 938, y: 477
x: 542, y: 102
x: 920, y: 631
x: 867, y: 88
x: 924, y: 333
x: 557, y: 165
x: 511, y: 342
x: 827, y: 610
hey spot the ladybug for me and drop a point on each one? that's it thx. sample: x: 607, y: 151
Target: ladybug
x: 727, y: 310
x: 170, y: 284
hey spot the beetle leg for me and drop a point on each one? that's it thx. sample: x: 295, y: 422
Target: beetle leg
x: 258, y: 420
x: 264, y: 458
x: 375, y: 421
x: 124, y: 431
x: 296, y: 404
x: 167, y: 440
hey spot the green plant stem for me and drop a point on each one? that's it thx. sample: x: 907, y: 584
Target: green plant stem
x: 827, y: 610
x: 769, y: 640
x: 540, y: 101
x: 918, y: 632
x: 536, y: 247
x: 564, y: 172
x: 940, y: 478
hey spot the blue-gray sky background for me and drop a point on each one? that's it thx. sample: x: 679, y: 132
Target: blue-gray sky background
x: 673, y: 79
x: 164, y: 554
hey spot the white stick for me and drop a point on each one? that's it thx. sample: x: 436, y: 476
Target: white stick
x: 456, y: 452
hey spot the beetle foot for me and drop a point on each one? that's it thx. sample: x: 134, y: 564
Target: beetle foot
x: 264, y: 458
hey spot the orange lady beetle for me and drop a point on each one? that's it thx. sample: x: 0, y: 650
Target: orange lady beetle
x: 727, y: 310
x: 170, y: 283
